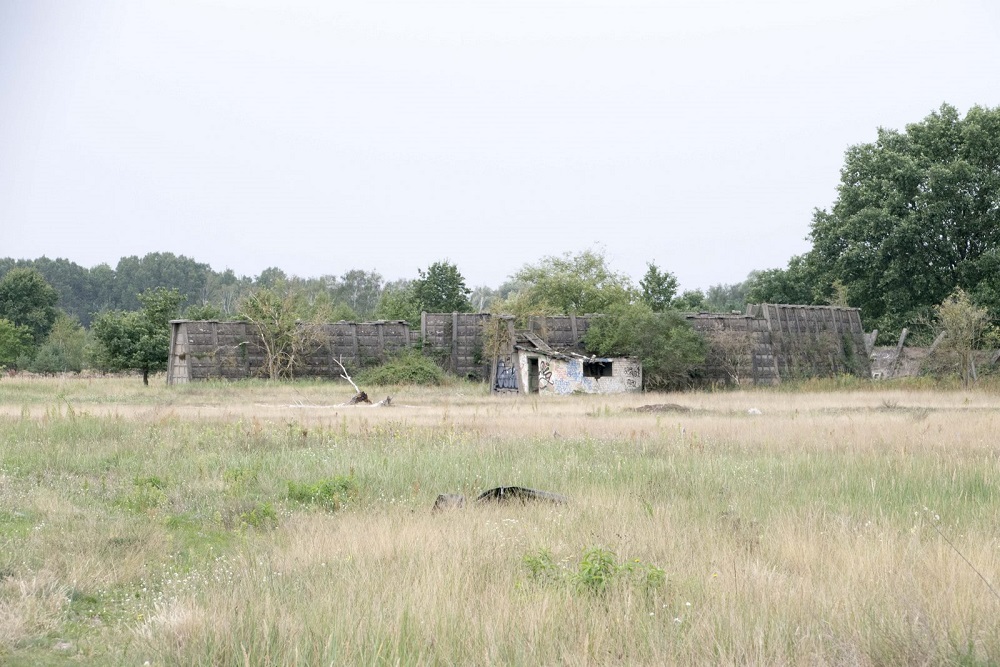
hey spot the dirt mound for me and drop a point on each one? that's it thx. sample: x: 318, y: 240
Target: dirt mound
x: 661, y: 407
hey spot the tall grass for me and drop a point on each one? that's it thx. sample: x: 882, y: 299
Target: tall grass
x: 169, y: 527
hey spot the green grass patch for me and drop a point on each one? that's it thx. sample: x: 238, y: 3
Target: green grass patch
x: 329, y: 494
x: 15, y: 523
x: 147, y: 494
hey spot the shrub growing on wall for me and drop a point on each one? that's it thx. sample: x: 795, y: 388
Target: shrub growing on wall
x: 408, y: 367
x: 669, y: 349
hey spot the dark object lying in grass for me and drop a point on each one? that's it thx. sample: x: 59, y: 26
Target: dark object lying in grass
x: 360, y: 397
x: 449, y: 501
x: 508, y: 494
x: 500, y: 495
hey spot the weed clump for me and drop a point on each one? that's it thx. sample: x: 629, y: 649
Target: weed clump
x: 409, y: 367
x: 329, y: 494
x: 597, y: 572
x: 259, y: 516
x: 148, y: 493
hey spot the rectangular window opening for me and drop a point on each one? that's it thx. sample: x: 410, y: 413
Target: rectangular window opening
x: 597, y: 369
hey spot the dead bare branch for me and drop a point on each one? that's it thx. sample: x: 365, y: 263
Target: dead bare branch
x: 346, y: 376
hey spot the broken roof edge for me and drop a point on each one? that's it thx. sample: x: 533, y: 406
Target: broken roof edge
x: 568, y: 355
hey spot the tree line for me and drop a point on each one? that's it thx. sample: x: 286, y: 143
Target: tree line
x: 56, y: 315
x: 915, y: 225
x: 354, y: 295
x: 916, y: 221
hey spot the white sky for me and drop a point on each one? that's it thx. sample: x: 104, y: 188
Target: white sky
x: 324, y: 136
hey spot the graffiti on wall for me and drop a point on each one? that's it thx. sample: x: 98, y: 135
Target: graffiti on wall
x: 506, y: 375
x: 633, y: 376
x: 544, y: 374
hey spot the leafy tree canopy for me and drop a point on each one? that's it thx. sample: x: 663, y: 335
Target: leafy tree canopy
x: 27, y: 300
x: 64, y: 350
x: 205, y: 311
x: 357, y: 290
x: 689, y: 300
x: 441, y: 289
x: 271, y: 277
x: 399, y: 302
x: 794, y: 284
x: 658, y: 288
x: 726, y: 298
x: 482, y: 298
x: 15, y: 342
x: 137, y: 340
x: 916, y: 217
x: 135, y: 275
x: 568, y: 284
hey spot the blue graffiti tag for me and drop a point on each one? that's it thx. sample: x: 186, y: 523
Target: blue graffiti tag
x: 506, y: 377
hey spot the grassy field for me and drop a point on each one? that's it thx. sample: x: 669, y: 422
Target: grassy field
x: 258, y: 524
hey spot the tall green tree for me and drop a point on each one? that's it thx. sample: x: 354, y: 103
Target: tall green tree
x: 70, y: 281
x: 658, y: 288
x: 726, y: 297
x: 271, y: 278
x: 26, y: 299
x: 441, y: 289
x: 689, y: 300
x: 15, y: 343
x: 102, y: 292
x: 358, y: 290
x: 399, y: 302
x: 137, y: 340
x: 916, y: 216
x: 799, y: 283
x: 567, y: 285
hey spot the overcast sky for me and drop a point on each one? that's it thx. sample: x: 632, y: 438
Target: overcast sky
x: 324, y: 136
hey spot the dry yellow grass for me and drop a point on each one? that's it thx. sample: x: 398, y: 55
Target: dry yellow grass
x: 811, y: 533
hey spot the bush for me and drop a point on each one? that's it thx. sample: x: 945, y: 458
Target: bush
x: 63, y: 351
x: 410, y: 367
x: 669, y: 349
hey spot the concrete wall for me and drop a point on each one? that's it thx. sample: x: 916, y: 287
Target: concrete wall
x: 565, y: 376
x: 772, y: 342
x: 454, y: 340
x: 769, y: 343
x: 206, y: 350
